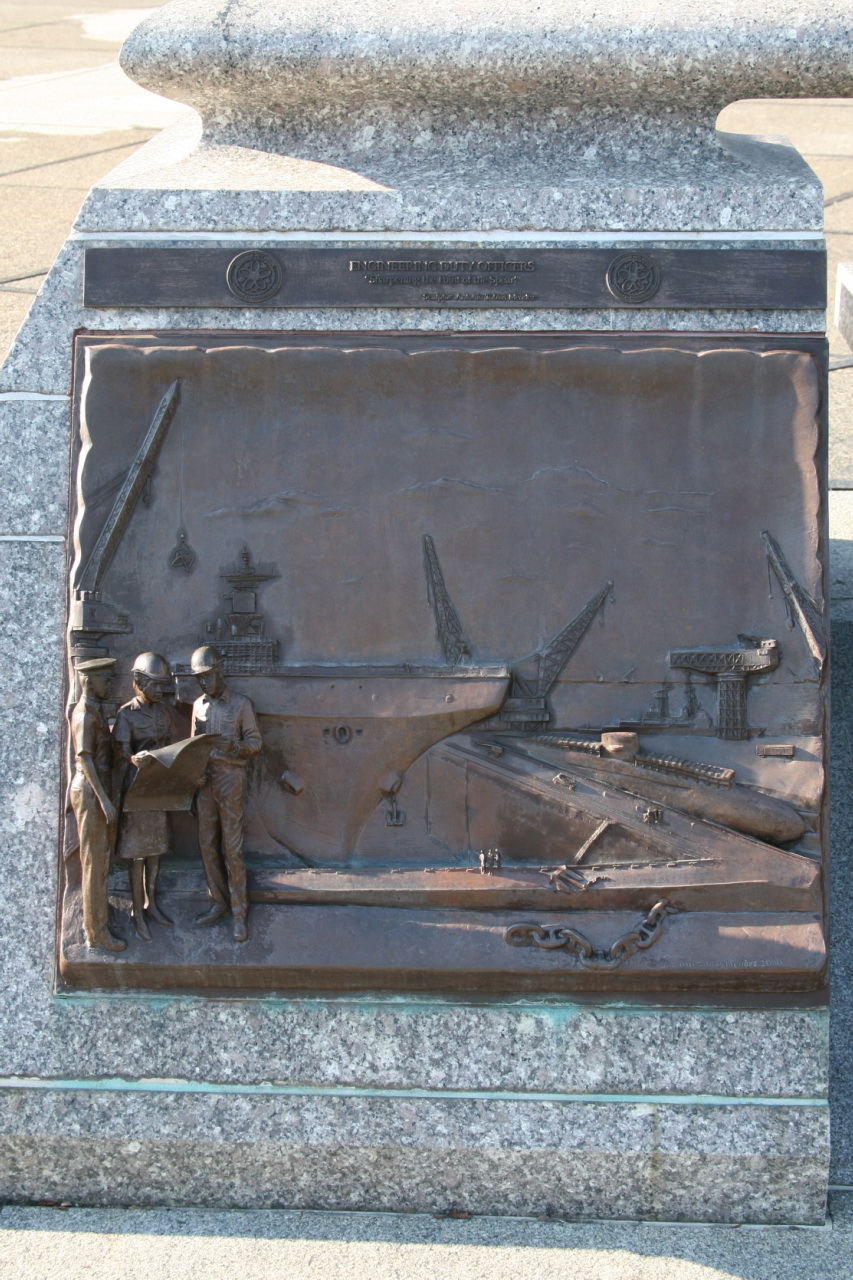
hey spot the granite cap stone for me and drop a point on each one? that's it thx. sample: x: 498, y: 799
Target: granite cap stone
x: 483, y: 115
x: 252, y: 66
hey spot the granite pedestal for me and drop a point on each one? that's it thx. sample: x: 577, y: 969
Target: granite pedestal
x: 507, y: 133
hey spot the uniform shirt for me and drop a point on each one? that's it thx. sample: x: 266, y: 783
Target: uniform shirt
x: 233, y: 716
x: 141, y: 726
x: 90, y: 735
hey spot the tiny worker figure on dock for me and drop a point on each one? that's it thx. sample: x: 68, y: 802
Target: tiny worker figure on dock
x: 142, y: 725
x: 90, y: 798
x: 220, y: 804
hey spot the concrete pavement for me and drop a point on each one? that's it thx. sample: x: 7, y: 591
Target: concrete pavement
x: 68, y: 115
x: 158, y: 1244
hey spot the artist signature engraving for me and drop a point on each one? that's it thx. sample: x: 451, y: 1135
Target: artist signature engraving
x: 479, y: 297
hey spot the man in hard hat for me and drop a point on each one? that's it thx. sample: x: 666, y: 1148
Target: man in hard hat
x: 143, y: 724
x: 220, y: 804
x: 90, y: 798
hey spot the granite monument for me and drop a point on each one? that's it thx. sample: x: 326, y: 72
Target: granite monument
x: 444, y: 407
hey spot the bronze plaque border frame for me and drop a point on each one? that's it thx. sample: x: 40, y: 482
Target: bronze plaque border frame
x: 729, y: 987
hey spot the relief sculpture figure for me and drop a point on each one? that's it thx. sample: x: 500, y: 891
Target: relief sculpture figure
x: 220, y: 803
x: 143, y: 724
x: 90, y: 798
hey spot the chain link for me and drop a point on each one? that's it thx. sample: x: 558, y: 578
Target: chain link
x: 553, y: 937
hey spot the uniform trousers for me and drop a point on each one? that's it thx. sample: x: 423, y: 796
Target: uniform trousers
x: 219, y: 806
x: 94, y: 833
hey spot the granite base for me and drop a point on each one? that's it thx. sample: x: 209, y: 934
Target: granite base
x: 677, y: 1159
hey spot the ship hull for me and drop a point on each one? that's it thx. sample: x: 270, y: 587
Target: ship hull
x: 337, y: 743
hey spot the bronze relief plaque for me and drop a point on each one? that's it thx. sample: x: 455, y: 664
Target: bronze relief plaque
x: 491, y: 662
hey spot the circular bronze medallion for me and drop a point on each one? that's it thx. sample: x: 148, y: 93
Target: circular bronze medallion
x: 253, y: 276
x: 633, y: 277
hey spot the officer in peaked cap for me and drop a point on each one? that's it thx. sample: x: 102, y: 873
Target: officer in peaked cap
x: 97, y: 664
x: 143, y: 724
x: 90, y: 797
x: 220, y: 804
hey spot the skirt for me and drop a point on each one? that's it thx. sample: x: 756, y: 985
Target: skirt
x: 143, y: 835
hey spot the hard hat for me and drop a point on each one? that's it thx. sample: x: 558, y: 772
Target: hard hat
x: 152, y: 664
x: 97, y: 664
x: 205, y: 659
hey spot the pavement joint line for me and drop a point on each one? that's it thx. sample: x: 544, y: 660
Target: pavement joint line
x: 52, y: 77
x: 845, y: 195
x: 34, y: 395
x: 31, y: 26
x: 60, y: 48
x: 30, y: 276
x: 450, y: 237
x: 119, y: 1084
x: 84, y: 155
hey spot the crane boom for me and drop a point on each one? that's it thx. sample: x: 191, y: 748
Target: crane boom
x: 128, y: 495
x: 452, y: 638
x: 554, y: 656
x: 802, y: 606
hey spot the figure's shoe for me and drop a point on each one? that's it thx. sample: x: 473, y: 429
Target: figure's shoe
x: 214, y: 913
x: 141, y: 926
x: 241, y: 930
x: 107, y: 942
x: 156, y: 914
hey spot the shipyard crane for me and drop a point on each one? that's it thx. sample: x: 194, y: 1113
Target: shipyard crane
x: 526, y: 704
x: 802, y: 607
x: 451, y: 637
x: 91, y: 617
x: 526, y: 707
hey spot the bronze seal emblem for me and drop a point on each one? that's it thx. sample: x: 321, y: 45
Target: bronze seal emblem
x: 633, y: 277
x: 254, y: 276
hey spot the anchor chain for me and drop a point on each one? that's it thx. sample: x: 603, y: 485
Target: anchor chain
x: 553, y: 937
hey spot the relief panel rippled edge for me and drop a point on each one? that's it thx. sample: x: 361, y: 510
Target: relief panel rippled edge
x: 405, y: 469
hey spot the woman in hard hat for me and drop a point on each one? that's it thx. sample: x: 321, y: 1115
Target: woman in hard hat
x: 143, y: 724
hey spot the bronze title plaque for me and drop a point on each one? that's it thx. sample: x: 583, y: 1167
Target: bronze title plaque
x: 483, y: 277
x: 491, y: 662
